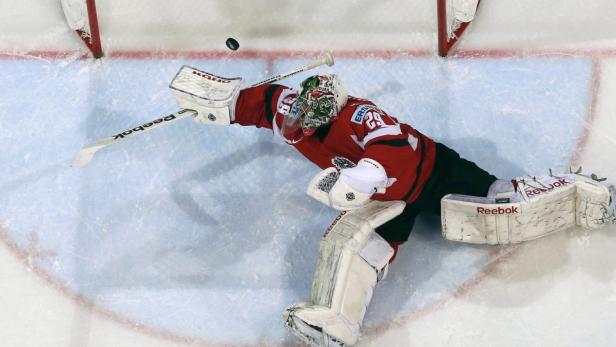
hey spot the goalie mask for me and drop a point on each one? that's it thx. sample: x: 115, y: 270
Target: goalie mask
x: 320, y: 99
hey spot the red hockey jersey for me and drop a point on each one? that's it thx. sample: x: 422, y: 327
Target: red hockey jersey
x: 361, y: 130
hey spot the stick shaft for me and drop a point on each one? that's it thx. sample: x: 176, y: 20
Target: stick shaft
x: 282, y: 76
x: 325, y: 59
x: 86, y: 153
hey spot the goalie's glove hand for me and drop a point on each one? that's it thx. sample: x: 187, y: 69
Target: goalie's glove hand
x: 349, y: 188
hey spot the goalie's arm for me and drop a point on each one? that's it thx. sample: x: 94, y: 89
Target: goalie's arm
x: 256, y: 106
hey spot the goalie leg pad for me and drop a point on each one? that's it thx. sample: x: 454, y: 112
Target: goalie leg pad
x: 353, y: 258
x: 594, y: 205
x: 541, y: 206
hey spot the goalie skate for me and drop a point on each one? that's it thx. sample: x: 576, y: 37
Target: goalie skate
x: 309, y: 334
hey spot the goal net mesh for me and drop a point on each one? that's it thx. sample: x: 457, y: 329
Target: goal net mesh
x: 204, y: 25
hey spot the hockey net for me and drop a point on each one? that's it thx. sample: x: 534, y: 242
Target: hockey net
x: 365, y: 25
x: 453, y: 16
x: 81, y: 16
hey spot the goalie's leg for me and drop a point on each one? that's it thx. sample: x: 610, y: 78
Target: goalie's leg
x: 534, y: 207
x: 352, y: 259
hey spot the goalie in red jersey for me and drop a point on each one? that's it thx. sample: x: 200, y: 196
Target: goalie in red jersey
x: 381, y: 174
x: 377, y: 157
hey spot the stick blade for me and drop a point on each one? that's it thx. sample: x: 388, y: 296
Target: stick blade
x: 85, y: 155
x: 328, y: 59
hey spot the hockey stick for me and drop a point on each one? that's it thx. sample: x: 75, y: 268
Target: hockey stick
x: 86, y: 154
x: 325, y: 59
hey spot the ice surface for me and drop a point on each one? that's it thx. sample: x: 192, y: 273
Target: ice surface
x: 194, y: 235
x: 205, y: 231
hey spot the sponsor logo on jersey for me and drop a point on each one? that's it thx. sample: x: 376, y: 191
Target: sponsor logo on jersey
x: 561, y: 182
x: 144, y: 126
x: 360, y: 112
x: 498, y: 210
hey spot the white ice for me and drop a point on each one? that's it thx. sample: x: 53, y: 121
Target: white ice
x: 193, y: 235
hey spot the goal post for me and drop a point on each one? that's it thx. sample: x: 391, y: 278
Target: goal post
x: 453, y: 17
x: 81, y: 16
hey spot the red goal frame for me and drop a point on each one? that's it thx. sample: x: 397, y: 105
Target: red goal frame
x: 93, y: 38
x: 444, y: 42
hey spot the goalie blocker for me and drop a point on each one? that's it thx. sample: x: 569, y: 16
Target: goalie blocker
x: 532, y: 208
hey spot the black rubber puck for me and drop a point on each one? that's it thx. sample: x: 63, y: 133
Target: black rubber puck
x: 232, y: 44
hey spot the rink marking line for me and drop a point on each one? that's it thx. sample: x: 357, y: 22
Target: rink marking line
x: 344, y: 54
x: 501, y: 254
x: 370, y: 332
x: 85, y: 304
x: 595, y: 86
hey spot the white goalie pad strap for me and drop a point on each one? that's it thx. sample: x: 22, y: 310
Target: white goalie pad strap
x: 545, y: 205
x: 352, y: 259
x: 76, y: 13
x: 213, y: 97
x: 350, y: 188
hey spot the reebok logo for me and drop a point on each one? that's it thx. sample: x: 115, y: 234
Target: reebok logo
x: 144, y: 126
x: 331, y: 227
x: 538, y: 191
x: 210, y: 77
x: 498, y: 210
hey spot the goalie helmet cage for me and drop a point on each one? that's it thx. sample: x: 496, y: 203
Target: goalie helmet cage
x: 448, y: 26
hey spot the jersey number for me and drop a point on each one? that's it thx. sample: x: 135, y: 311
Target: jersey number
x: 374, y: 120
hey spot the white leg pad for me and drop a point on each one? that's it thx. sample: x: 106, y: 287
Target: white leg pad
x: 353, y: 258
x: 539, y: 207
x: 594, y: 208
